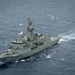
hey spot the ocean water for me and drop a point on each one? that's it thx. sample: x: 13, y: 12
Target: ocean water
x: 53, y: 17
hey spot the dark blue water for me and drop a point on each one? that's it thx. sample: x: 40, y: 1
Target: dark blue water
x: 54, y: 17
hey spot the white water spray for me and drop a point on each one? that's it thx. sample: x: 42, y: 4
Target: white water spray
x: 67, y: 37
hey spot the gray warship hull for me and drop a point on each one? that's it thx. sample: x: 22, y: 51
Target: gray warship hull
x: 28, y: 52
x: 27, y: 44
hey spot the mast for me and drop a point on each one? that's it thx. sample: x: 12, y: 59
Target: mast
x: 30, y: 30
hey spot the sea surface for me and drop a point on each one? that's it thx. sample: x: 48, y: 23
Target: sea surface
x: 52, y: 17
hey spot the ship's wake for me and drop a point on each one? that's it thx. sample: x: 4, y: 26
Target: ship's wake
x: 66, y: 37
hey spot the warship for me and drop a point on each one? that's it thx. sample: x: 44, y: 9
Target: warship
x: 27, y: 44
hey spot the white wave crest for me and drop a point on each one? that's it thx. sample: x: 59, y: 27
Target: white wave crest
x: 16, y: 61
x: 50, y: 55
x: 21, y: 24
x: 23, y: 60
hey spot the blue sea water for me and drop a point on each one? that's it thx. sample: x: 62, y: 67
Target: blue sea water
x: 53, y: 17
